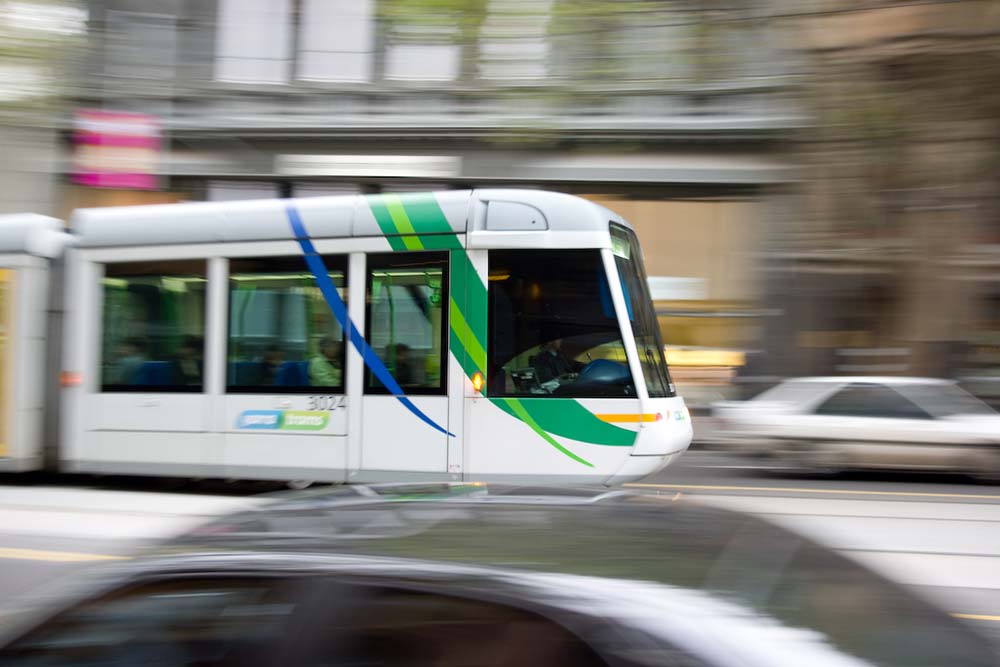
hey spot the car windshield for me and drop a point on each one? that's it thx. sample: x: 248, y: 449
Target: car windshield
x: 794, y: 392
x: 945, y: 400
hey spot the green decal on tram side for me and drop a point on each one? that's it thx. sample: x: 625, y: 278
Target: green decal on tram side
x: 567, y: 418
x: 416, y: 222
x: 413, y: 222
x: 515, y: 407
x: 468, y: 330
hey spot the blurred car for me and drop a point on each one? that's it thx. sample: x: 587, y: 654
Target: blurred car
x: 471, y: 575
x: 836, y: 423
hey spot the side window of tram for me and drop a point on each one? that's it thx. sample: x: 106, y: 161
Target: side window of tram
x: 407, y: 320
x: 283, y: 337
x: 153, y: 326
x: 552, y: 326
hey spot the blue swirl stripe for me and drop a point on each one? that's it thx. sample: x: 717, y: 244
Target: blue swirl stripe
x: 339, y: 309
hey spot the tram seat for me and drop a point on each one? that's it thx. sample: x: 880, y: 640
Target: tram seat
x: 154, y: 373
x: 293, y: 374
x: 245, y: 372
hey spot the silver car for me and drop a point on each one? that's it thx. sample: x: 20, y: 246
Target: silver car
x: 830, y: 424
x: 474, y: 576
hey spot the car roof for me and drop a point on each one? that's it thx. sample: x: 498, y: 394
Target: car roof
x: 548, y: 529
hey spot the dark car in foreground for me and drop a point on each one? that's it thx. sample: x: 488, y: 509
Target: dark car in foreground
x: 474, y: 575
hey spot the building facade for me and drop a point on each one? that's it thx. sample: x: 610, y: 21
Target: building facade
x: 675, y: 115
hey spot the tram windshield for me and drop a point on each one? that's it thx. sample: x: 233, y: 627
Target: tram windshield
x: 553, y: 328
x: 645, y: 328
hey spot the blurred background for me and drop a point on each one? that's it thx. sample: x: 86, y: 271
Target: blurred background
x: 815, y: 183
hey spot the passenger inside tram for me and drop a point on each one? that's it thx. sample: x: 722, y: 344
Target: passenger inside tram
x: 401, y: 365
x: 187, y: 367
x: 324, y: 368
x: 131, y: 356
x: 270, y: 365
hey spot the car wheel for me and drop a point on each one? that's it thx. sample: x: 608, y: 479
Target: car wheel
x: 299, y: 484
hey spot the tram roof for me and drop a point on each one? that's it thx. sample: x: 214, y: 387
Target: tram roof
x: 30, y: 234
x: 334, y: 217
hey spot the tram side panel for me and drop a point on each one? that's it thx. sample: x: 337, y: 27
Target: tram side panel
x: 23, y: 306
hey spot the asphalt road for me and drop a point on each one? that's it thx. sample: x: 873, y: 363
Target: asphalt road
x: 939, y: 535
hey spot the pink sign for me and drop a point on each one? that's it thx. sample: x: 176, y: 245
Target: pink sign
x: 116, y: 149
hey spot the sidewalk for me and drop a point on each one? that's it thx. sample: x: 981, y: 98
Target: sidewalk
x: 107, y: 514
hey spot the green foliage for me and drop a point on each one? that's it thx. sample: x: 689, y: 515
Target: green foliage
x: 36, y: 37
x: 458, y: 21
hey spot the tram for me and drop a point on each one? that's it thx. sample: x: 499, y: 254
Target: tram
x: 493, y: 335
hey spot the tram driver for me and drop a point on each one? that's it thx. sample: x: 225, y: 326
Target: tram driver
x: 553, y: 367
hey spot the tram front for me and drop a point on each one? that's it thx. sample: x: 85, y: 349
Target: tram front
x: 575, y: 361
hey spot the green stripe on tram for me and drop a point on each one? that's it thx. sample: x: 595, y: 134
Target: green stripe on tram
x: 424, y: 212
x: 402, y: 222
x: 567, y: 418
x: 515, y: 407
x: 470, y: 342
x: 476, y: 297
x: 384, y: 219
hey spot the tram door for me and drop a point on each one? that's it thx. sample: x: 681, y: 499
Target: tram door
x: 405, y: 414
x: 23, y: 287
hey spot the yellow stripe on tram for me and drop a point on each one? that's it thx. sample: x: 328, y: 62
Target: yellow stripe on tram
x: 629, y: 419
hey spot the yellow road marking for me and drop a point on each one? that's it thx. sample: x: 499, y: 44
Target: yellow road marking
x: 793, y: 489
x: 54, y: 556
x: 978, y: 617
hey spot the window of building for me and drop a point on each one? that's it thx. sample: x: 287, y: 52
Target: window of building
x: 336, y: 40
x: 514, y: 42
x: 140, y: 46
x: 253, y: 41
x: 552, y: 327
x: 407, y: 320
x: 425, y: 49
x: 154, y: 326
x: 871, y: 400
x: 283, y: 337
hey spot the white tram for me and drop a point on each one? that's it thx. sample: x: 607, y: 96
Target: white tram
x: 494, y: 335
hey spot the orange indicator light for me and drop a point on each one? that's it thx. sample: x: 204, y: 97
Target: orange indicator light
x: 477, y: 381
x: 70, y: 379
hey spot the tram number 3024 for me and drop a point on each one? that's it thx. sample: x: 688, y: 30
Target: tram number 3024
x: 327, y: 403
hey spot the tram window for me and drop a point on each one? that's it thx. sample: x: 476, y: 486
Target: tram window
x: 645, y: 326
x: 154, y: 326
x: 552, y: 327
x: 407, y: 322
x: 283, y: 337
